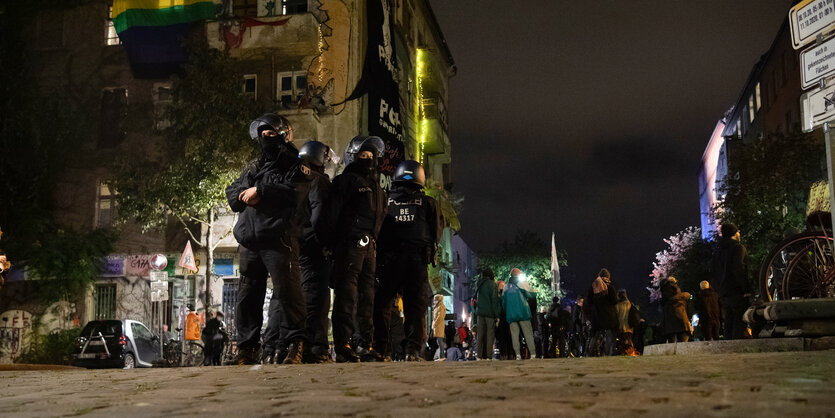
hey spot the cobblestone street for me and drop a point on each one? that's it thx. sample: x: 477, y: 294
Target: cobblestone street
x: 762, y: 384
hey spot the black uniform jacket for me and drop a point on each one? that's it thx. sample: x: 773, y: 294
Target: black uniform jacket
x: 356, y: 205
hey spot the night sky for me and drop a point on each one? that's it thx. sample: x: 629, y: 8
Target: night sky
x: 589, y: 119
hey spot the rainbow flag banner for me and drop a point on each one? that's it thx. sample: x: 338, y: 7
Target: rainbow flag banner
x: 153, y: 32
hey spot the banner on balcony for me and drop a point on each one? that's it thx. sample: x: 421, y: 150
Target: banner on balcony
x: 153, y: 31
x: 378, y: 81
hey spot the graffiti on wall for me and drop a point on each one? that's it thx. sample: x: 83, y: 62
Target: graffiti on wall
x: 15, y: 334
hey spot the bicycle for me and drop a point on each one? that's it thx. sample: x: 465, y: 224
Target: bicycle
x: 191, y: 353
x: 802, y: 266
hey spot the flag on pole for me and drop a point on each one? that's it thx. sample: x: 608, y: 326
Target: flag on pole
x: 187, y: 259
x: 555, y: 266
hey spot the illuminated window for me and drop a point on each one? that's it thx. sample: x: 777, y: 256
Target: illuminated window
x: 105, y: 205
x: 738, y: 128
x: 250, y: 85
x: 162, y: 100
x: 110, y: 35
x: 751, y: 110
x: 758, y: 98
x: 292, y: 87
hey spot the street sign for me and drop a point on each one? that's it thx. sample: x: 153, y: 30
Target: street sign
x: 816, y: 63
x: 809, y: 18
x: 187, y: 260
x: 158, y: 275
x: 817, y: 107
x: 159, y: 290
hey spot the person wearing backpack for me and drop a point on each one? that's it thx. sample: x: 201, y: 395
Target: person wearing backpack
x: 518, y: 313
x: 486, y: 308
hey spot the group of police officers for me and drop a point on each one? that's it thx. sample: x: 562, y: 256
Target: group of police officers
x: 309, y: 234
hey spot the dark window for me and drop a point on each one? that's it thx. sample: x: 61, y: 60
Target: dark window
x: 105, y: 206
x: 249, y: 85
x: 245, y: 7
x: 105, y: 301
x: 289, y: 7
x: 301, y: 82
x: 114, y: 110
x: 106, y: 328
x: 286, y: 83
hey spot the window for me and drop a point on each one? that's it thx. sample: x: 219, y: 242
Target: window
x: 758, y: 97
x: 289, y: 7
x: 251, y: 85
x: 751, y: 110
x: 50, y: 31
x: 114, y: 110
x: 110, y: 35
x: 104, y: 300
x: 139, y: 331
x: 292, y: 87
x: 242, y: 8
x: 162, y: 100
x: 105, y: 205
x: 738, y: 128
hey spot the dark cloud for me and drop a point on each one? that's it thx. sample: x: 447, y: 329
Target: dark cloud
x: 589, y: 119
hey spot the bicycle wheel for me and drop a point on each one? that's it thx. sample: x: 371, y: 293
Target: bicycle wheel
x: 811, y: 272
x: 194, y: 354
x: 776, y: 263
x: 172, y: 354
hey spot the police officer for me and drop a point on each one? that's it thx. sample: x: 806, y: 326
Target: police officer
x: 408, y: 238
x: 315, y: 267
x: 267, y: 231
x: 356, y: 207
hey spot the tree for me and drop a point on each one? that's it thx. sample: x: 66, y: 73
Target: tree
x: 687, y: 258
x: 767, y: 189
x: 530, y: 254
x: 41, y: 128
x: 204, y: 148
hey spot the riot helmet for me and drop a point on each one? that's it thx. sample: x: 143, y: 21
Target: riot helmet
x: 410, y: 171
x: 364, y: 143
x: 315, y: 153
x: 279, y: 124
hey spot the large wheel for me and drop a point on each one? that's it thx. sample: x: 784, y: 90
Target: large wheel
x: 810, y: 272
x: 129, y: 362
x: 194, y: 354
x: 776, y: 263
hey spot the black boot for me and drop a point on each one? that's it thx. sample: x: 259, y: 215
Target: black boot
x: 267, y: 356
x: 294, y: 353
x: 344, y: 354
x: 280, y: 356
x: 368, y: 355
x: 244, y: 356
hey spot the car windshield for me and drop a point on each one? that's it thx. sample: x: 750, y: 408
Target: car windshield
x: 106, y: 328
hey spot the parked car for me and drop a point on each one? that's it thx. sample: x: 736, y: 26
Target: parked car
x: 116, y: 343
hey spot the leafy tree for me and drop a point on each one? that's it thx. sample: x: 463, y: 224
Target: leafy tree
x: 529, y: 253
x: 767, y: 189
x: 40, y: 132
x: 687, y: 257
x: 204, y: 148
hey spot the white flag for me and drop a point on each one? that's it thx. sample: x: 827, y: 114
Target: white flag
x: 555, y: 266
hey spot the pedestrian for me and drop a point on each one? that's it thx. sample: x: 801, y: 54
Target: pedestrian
x: 214, y: 337
x: 267, y: 232
x: 408, y: 238
x: 438, y: 331
x: 486, y: 309
x: 731, y: 277
x: 677, y: 327
x: 600, y: 305
x: 357, y: 207
x: 578, y: 329
x: 518, y: 313
x: 455, y: 353
x: 560, y: 320
x: 709, y: 318
x: 451, y: 334
x: 543, y: 344
x: 503, y: 330
x: 628, y: 318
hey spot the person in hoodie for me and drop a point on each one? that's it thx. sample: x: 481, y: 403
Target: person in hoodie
x: 486, y: 309
x: 731, y: 278
x: 267, y: 198
x: 600, y: 307
x: 677, y: 327
x: 408, y: 238
x: 356, y: 208
x: 518, y: 313
x: 708, y: 307
x: 314, y: 156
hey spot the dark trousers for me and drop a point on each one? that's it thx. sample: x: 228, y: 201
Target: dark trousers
x: 353, y: 285
x: 282, y: 266
x: 711, y: 330
x: 733, y: 307
x: 404, y: 273
x: 274, y: 340
x: 558, y: 347
x: 316, y: 272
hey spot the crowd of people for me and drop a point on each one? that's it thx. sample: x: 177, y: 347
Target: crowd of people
x: 308, y: 233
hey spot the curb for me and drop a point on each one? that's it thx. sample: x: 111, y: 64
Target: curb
x: 761, y: 345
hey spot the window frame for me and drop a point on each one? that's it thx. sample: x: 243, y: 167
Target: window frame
x: 110, y: 198
x: 110, y: 28
x: 254, y: 91
x: 295, y: 93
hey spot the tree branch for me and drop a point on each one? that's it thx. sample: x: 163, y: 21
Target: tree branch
x: 185, y: 226
x: 227, y: 233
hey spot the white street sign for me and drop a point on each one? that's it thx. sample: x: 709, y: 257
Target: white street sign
x: 809, y: 18
x: 817, y: 107
x: 159, y: 291
x: 158, y: 275
x: 817, y: 63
